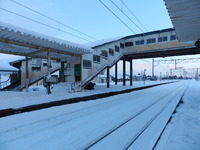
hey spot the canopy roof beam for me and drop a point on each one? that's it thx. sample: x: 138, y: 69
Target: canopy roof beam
x: 38, y: 47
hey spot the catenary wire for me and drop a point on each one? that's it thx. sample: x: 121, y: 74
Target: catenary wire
x: 56, y: 21
x: 46, y: 25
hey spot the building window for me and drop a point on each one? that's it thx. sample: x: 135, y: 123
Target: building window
x: 173, y: 37
x: 104, y: 54
x: 44, y: 64
x: 140, y: 42
x: 36, y: 67
x: 162, y: 39
x: 87, y: 64
x: 116, y: 48
x: 128, y: 44
x: 153, y: 40
x: 121, y: 45
x: 96, y: 59
x: 111, y: 52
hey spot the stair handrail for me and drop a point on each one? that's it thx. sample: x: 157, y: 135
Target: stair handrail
x: 43, y: 75
x: 39, y: 77
x: 94, y: 74
x: 78, y: 86
x: 4, y: 83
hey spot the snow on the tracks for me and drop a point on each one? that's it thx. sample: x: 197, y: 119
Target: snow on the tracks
x: 183, y: 132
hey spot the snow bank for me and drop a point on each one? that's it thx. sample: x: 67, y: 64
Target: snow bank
x: 6, y: 67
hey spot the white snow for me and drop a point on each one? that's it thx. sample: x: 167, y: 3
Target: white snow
x: 22, y: 31
x: 6, y: 67
x: 183, y: 133
x: 59, y: 92
x: 76, y: 125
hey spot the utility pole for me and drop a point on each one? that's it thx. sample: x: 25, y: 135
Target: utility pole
x: 0, y: 81
x: 144, y: 76
x: 170, y: 71
x: 175, y: 64
x: 160, y: 76
x: 152, y: 67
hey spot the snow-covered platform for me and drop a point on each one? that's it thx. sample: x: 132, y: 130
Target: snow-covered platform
x: 12, y: 99
x: 77, y: 125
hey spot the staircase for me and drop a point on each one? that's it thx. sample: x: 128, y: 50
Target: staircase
x: 31, y: 82
x: 78, y: 86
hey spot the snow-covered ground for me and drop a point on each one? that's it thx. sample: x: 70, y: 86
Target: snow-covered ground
x: 74, y: 126
x: 183, y: 132
x: 10, y: 99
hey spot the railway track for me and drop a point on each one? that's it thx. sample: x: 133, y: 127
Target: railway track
x: 166, y: 104
x: 95, y: 125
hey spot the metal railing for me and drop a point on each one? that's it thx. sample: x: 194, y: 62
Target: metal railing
x: 4, y: 84
x: 78, y: 86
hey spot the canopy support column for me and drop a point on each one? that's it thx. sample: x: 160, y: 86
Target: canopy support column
x: 116, y: 74
x: 108, y: 77
x: 27, y: 74
x: 48, y: 72
x: 62, y: 78
x: 131, y: 72
x: 124, y: 72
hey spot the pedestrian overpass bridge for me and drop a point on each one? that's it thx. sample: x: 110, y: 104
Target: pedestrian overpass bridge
x: 97, y: 58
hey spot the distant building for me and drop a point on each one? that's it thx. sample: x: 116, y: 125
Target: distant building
x: 37, y: 67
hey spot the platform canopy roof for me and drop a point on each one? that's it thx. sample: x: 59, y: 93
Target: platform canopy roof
x: 18, y: 41
x: 185, y: 16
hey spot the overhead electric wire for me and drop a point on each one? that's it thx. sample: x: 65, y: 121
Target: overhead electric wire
x: 56, y: 21
x: 134, y: 15
x: 45, y: 24
x: 134, y: 23
x: 158, y: 45
x: 116, y: 16
x: 120, y: 19
x: 126, y: 16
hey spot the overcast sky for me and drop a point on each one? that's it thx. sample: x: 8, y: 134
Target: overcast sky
x: 87, y: 16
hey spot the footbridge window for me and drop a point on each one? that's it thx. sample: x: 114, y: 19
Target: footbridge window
x: 111, y: 52
x: 96, y: 59
x: 173, y: 37
x: 87, y: 64
x: 116, y: 48
x: 162, y: 39
x: 121, y: 45
x: 104, y: 54
x: 149, y: 41
x: 128, y: 44
x: 139, y: 42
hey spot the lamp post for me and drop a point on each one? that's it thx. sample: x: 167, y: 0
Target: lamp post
x: 0, y: 81
x: 144, y: 76
x: 160, y: 76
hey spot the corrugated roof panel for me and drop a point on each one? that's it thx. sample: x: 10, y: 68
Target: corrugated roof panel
x: 25, y: 39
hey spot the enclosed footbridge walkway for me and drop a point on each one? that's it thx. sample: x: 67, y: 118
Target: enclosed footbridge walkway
x: 95, y: 59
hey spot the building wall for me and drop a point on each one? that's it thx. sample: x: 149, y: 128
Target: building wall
x: 157, y: 45
x: 95, y: 66
x: 35, y: 73
x: 69, y: 71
